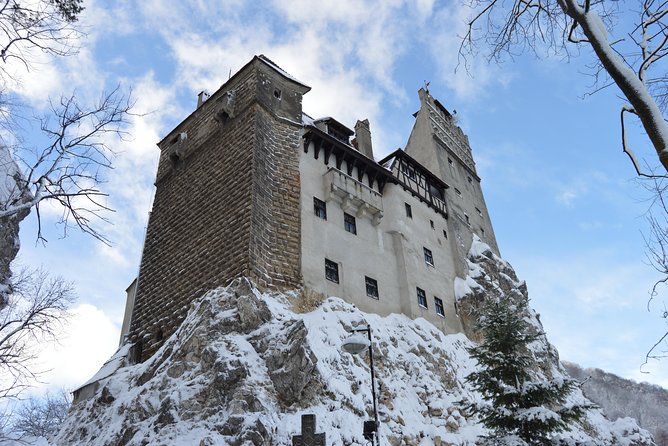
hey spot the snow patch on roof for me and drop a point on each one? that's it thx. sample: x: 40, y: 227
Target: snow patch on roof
x: 114, y: 363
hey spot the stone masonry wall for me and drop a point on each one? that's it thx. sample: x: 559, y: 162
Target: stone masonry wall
x: 275, y: 251
x: 227, y: 207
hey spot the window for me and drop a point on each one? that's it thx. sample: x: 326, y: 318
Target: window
x: 331, y: 271
x: 422, y: 298
x: 438, y: 303
x: 482, y: 231
x: 470, y: 179
x: 408, y: 170
x: 478, y: 211
x: 349, y: 223
x: 371, y: 287
x: 428, y: 257
x: 459, y: 193
x: 436, y: 192
x: 319, y: 208
x: 431, y: 222
x: 445, y: 233
x: 409, y: 211
x: 468, y: 220
x: 449, y: 161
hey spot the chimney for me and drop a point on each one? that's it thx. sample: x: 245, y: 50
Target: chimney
x: 202, y: 97
x: 363, y: 136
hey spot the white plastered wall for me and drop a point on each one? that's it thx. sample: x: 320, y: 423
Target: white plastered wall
x: 390, y: 252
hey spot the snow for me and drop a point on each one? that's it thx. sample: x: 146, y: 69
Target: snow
x: 280, y: 70
x: 112, y: 364
x: 420, y: 378
x: 626, y: 79
x: 8, y: 171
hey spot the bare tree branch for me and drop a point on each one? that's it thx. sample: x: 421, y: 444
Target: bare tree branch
x: 33, y: 316
x: 70, y: 170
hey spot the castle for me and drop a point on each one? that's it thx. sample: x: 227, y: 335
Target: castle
x: 249, y: 185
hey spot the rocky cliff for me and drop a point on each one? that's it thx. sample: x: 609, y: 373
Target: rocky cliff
x: 244, y: 367
x: 12, y: 194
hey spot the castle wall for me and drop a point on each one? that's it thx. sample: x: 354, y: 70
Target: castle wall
x: 411, y: 236
x: 220, y: 191
x: 440, y: 145
x: 234, y: 197
x: 390, y: 252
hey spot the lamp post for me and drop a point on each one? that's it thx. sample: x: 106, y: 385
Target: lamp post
x: 356, y: 344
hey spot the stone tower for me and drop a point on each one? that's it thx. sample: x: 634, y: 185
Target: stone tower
x: 440, y: 145
x: 226, y: 175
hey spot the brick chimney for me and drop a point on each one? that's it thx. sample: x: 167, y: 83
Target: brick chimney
x: 363, y: 137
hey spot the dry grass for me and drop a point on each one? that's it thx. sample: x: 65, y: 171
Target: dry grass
x: 307, y: 300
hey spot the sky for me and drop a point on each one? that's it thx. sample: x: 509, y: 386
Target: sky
x: 567, y: 210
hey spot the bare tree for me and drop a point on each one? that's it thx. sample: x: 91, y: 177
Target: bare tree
x: 66, y: 172
x: 656, y: 244
x: 45, y: 25
x: 70, y: 169
x: 33, y: 316
x: 41, y: 416
x: 629, y: 43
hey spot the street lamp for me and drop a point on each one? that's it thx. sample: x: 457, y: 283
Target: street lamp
x: 356, y: 344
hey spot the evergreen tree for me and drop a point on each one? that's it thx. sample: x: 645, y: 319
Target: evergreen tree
x: 518, y: 404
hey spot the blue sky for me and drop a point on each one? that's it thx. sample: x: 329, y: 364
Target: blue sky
x: 566, y: 210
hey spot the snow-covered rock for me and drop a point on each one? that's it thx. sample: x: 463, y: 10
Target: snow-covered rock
x: 244, y: 367
x: 11, y: 194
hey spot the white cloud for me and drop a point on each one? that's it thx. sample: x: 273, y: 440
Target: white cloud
x: 566, y: 197
x: 87, y: 341
x: 470, y: 77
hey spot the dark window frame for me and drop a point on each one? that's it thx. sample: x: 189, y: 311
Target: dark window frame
x: 409, y: 210
x: 349, y: 223
x: 319, y: 208
x: 438, y: 304
x: 331, y: 271
x: 371, y: 286
x: 422, y: 297
x: 428, y: 256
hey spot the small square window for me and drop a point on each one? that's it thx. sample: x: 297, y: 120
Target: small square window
x: 445, y: 233
x: 478, y: 211
x: 450, y: 161
x: 409, y: 211
x: 438, y: 303
x: 428, y: 257
x: 458, y: 192
x: 349, y: 223
x: 331, y: 271
x: 319, y: 208
x: 371, y: 287
x: 431, y: 222
x: 482, y: 231
x: 468, y: 220
x: 470, y: 179
x: 422, y: 297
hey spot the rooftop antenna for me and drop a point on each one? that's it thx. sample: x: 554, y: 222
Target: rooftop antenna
x: 229, y: 75
x: 426, y: 86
